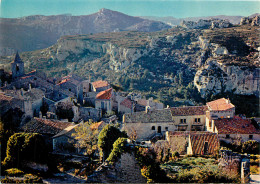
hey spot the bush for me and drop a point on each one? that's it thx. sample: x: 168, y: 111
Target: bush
x: 119, y: 147
x: 14, y: 172
x: 251, y: 147
x: 24, y: 146
x: 29, y: 178
x: 108, y: 135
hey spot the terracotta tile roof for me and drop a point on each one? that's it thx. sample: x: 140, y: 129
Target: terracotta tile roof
x: 100, y: 84
x: 5, y: 98
x: 45, y: 126
x: 142, y: 102
x: 96, y: 125
x: 105, y: 95
x: 63, y: 81
x: 197, y: 141
x: 162, y: 115
x: 127, y: 103
x: 221, y: 104
x: 235, y: 125
x: 189, y: 110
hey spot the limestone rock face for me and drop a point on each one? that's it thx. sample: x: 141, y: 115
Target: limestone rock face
x: 255, y: 21
x: 214, y: 78
x: 119, y: 57
x: 206, y: 24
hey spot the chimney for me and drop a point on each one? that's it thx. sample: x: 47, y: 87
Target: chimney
x: 22, y: 91
x: 30, y: 87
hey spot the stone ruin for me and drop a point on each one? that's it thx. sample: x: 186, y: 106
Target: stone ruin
x: 235, y: 163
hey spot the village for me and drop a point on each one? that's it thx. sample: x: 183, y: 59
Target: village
x: 57, y: 107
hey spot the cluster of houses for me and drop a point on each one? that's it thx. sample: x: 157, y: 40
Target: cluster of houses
x: 55, y: 105
x: 202, y: 127
x: 47, y: 102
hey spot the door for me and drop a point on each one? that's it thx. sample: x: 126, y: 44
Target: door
x: 159, y: 129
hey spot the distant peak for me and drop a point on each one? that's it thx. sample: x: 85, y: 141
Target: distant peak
x: 104, y: 10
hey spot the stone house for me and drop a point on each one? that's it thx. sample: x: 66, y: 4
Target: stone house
x: 99, y: 86
x: 64, y: 141
x: 229, y: 129
x: 47, y: 127
x: 32, y: 99
x: 125, y: 106
x: 87, y: 113
x: 73, y: 83
x: 104, y: 100
x: 221, y: 108
x: 203, y: 143
x: 190, y: 118
x: 148, y: 123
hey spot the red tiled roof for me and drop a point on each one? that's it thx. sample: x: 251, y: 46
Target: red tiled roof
x: 127, y: 103
x: 5, y: 98
x: 221, y: 104
x: 235, y: 125
x: 189, y: 110
x: 46, y: 126
x: 198, y: 143
x: 105, y: 95
x: 100, y: 84
x: 63, y: 81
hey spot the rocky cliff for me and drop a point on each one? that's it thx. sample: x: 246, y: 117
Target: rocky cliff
x: 206, y: 24
x: 214, y: 78
x: 215, y: 60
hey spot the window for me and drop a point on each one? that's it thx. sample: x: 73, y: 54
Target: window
x: 227, y: 136
x: 182, y: 120
x: 153, y: 127
x: 159, y: 129
x: 198, y: 120
x: 69, y: 89
x: 166, y: 128
x: 206, y: 147
x: 250, y: 136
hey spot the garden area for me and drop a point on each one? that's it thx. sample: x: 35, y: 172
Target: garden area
x: 196, y: 170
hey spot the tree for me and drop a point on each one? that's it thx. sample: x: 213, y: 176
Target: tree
x: 25, y: 146
x: 108, y: 135
x: 86, y: 137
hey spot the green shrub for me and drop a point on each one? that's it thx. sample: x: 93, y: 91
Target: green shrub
x: 14, y: 172
x: 108, y: 135
x: 251, y: 147
x: 30, y: 178
x: 24, y: 146
x: 119, y: 147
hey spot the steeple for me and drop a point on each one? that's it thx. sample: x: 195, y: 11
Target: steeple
x: 17, y: 58
x: 17, y: 67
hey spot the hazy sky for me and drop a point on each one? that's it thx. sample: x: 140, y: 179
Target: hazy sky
x: 161, y: 8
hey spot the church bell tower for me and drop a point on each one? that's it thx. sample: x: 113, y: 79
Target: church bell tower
x: 17, y: 67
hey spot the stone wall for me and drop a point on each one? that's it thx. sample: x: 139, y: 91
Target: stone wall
x: 125, y: 170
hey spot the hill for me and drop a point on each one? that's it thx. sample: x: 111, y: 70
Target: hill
x: 177, y: 66
x: 38, y: 31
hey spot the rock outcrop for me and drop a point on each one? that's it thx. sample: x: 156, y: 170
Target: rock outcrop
x: 214, y: 78
x: 206, y: 24
x: 253, y: 21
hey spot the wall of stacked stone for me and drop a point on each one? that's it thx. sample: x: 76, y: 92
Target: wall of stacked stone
x: 128, y: 170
